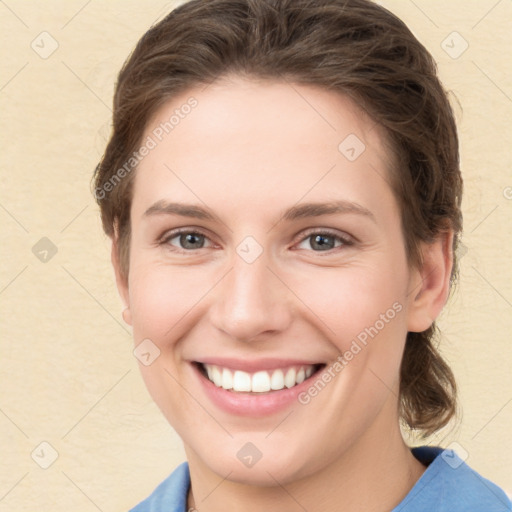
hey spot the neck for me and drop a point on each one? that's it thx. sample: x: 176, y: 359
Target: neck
x: 373, y: 475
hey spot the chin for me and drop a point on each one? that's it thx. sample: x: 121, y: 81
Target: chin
x: 280, y: 462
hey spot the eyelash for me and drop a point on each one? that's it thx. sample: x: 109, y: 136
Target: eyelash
x: 346, y: 241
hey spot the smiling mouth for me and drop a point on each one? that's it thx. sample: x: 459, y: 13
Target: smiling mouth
x: 263, y: 381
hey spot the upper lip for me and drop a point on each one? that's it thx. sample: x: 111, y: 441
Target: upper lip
x: 255, y: 365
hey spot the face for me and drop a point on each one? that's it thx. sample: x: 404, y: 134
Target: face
x: 267, y: 256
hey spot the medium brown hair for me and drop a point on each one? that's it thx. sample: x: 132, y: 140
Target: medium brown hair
x: 353, y: 47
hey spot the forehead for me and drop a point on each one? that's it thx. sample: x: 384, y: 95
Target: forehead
x: 263, y: 141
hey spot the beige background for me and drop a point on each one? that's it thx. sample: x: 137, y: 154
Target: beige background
x: 68, y: 376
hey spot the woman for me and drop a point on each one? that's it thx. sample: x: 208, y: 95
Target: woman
x: 282, y: 190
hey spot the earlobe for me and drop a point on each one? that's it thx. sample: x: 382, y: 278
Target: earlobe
x: 430, y: 284
x: 127, y: 315
x: 121, y: 281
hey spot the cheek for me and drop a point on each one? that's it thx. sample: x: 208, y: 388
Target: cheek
x: 361, y: 311
x: 163, y: 298
x: 352, y: 301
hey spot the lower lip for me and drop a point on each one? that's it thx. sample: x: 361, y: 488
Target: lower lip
x: 252, y: 404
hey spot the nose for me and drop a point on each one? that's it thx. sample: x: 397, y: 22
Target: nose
x: 251, y: 302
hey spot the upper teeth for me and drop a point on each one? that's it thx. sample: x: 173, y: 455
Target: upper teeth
x: 259, y: 382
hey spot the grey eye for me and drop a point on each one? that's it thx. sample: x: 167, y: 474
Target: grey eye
x: 188, y: 241
x: 321, y: 242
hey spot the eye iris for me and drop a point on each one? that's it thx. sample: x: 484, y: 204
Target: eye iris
x: 192, y: 241
x: 322, y: 242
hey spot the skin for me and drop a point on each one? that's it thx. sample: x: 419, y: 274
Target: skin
x: 249, y: 151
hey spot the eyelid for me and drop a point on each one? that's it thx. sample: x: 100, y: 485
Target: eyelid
x: 173, y: 233
x: 345, y: 238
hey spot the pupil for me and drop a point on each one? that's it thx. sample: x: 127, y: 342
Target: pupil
x: 191, y: 241
x: 322, y: 242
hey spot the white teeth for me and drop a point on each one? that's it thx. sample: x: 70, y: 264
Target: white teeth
x: 227, y: 379
x: 289, y: 379
x: 277, y: 380
x: 217, y: 376
x: 259, y: 382
x: 241, y: 381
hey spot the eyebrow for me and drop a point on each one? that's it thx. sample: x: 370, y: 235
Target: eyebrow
x: 163, y: 207
x: 304, y: 210
x: 299, y: 211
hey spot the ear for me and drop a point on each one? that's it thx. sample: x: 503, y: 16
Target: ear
x: 430, y: 284
x: 121, y: 280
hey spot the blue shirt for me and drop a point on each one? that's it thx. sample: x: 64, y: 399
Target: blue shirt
x: 447, y: 485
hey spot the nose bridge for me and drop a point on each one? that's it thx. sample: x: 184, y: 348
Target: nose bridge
x: 250, y: 301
